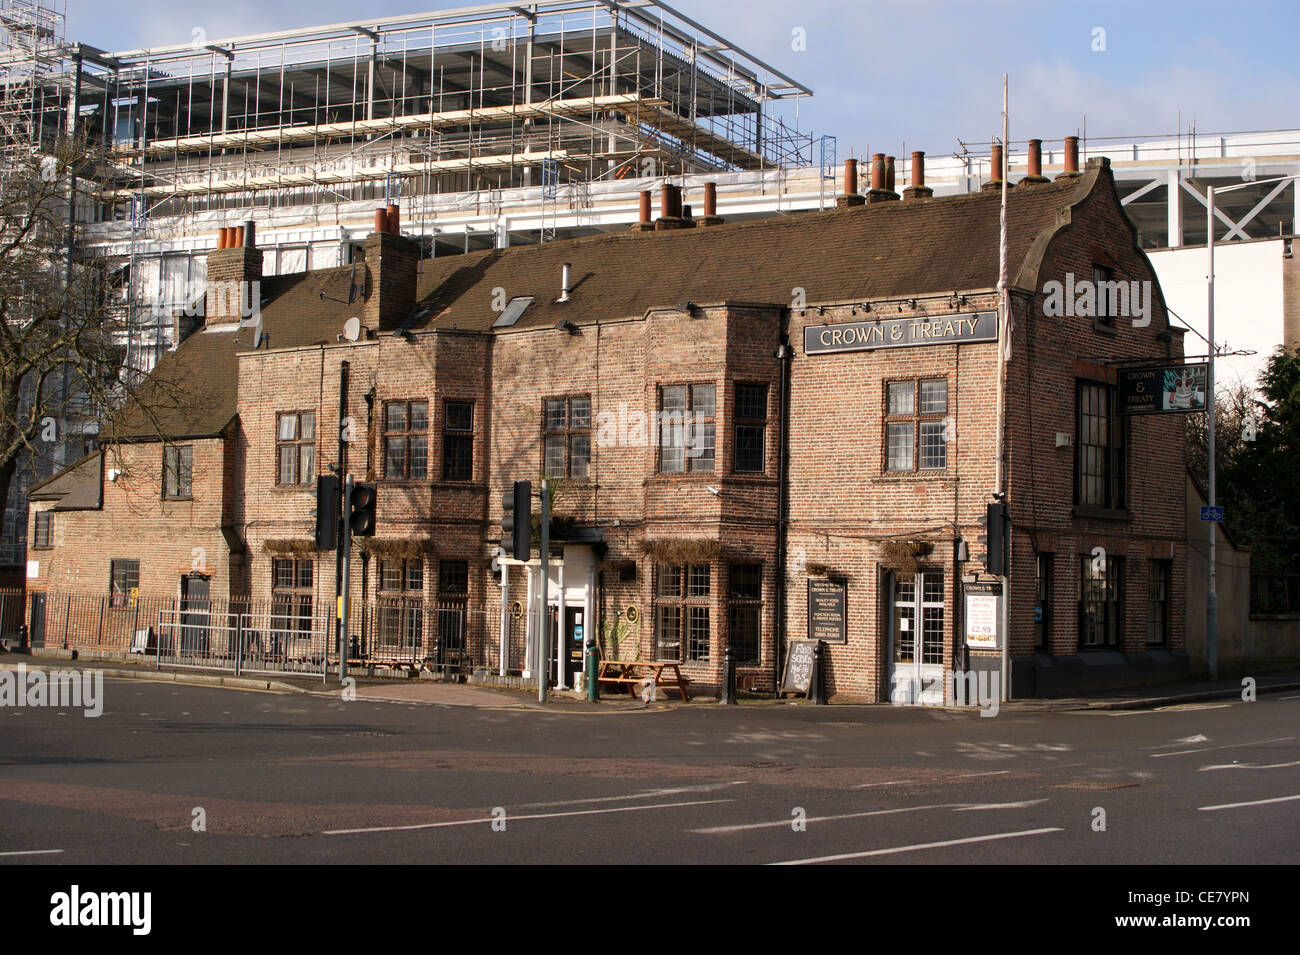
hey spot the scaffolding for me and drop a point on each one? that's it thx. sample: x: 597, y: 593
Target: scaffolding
x: 31, y: 51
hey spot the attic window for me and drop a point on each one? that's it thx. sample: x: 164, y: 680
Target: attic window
x: 514, y: 308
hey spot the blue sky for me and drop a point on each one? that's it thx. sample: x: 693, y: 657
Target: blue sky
x: 921, y: 72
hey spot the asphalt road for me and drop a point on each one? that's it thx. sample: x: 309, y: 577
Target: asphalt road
x: 292, y: 778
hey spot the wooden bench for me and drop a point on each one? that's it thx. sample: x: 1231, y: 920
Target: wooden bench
x: 634, y: 674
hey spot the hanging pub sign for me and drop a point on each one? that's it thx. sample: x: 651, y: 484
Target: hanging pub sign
x: 901, y: 332
x: 1164, y: 388
x: 826, y: 610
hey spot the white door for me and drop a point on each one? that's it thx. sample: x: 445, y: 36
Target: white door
x: 916, y: 664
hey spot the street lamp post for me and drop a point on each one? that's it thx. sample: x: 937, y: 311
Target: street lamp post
x: 1212, y: 597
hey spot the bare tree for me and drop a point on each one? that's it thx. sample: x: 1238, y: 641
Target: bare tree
x: 61, y: 352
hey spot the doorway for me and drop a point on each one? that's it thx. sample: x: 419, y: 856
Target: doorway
x: 195, y: 606
x: 571, y: 646
x: 916, y: 624
x: 36, y: 631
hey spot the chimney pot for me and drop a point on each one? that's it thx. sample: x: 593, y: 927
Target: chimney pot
x: 995, y: 164
x: 394, y: 218
x: 850, y: 177
x: 918, y: 189
x: 221, y: 238
x: 878, y: 171
x: 645, y: 206
x: 1071, y: 157
x: 239, y: 236
x: 1035, y: 157
x: 564, y: 283
x: 889, y: 173
x: 710, y: 199
x: 381, y: 220
x: 250, y: 234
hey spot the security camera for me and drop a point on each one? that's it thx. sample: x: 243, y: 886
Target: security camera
x: 713, y: 490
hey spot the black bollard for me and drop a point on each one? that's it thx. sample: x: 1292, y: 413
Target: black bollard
x: 819, y: 674
x: 728, y: 677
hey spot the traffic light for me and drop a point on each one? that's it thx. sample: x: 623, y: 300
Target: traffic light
x: 361, y: 510
x: 996, y: 522
x: 517, y: 520
x: 327, y: 512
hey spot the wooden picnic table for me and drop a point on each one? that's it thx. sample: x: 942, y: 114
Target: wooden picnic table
x: 634, y: 673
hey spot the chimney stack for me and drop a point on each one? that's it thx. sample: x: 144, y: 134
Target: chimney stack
x: 670, y: 209
x: 918, y: 188
x: 1035, y: 164
x: 851, y: 196
x: 1071, y: 158
x: 995, y: 171
x: 234, y: 289
x: 644, y: 222
x: 710, y: 216
x: 392, y: 264
x: 879, y: 181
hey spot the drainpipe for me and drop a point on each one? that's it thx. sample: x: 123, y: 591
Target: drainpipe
x: 784, y: 354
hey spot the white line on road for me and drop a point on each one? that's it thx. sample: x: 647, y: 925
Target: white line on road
x: 992, y: 772
x: 744, y: 827
x: 542, y: 815
x: 1000, y: 805
x: 1251, y: 766
x: 916, y: 848
x: 32, y: 852
x: 648, y: 794
x: 1206, y: 749
x: 1239, y: 805
x: 892, y: 782
x: 954, y: 806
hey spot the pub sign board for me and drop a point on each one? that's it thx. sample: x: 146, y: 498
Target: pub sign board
x: 983, y: 616
x: 960, y: 329
x: 1164, y: 388
x: 827, y: 610
x: 798, y: 667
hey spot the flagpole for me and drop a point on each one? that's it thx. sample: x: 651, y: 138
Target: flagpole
x: 1004, y: 352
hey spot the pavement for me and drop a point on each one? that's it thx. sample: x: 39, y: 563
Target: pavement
x: 453, y: 694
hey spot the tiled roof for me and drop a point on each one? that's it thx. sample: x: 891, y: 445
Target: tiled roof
x: 75, y: 488
x: 877, y: 251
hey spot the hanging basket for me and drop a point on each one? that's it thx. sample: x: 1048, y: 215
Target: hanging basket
x: 904, y: 557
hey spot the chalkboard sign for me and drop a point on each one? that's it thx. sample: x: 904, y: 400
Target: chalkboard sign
x: 826, y: 613
x: 798, y: 667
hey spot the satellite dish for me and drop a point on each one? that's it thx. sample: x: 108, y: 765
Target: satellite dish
x: 352, y: 329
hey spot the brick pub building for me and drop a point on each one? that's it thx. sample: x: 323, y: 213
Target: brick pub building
x: 730, y: 411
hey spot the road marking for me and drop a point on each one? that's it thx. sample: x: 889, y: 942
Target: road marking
x: 648, y: 794
x: 917, y: 848
x: 32, y: 852
x: 745, y: 827
x: 1001, y: 805
x: 1251, y: 766
x: 954, y: 806
x: 542, y: 815
x: 993, y: 772
x: 894, y: 782
x: 1289, y: 697
x: 1206, y: 749
x: 1239, y: 805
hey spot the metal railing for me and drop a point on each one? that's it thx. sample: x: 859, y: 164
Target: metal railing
x: 240, y: 635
